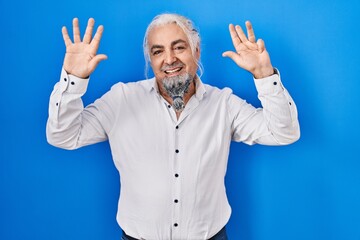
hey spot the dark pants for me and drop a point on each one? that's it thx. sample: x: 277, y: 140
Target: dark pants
x: 221, y: 235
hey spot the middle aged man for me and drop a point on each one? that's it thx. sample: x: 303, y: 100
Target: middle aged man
x: 170, y: 135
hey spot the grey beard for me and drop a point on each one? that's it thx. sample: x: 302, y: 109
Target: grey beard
x: 176, y: 87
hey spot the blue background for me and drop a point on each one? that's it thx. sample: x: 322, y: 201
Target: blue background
x: 309, y: 190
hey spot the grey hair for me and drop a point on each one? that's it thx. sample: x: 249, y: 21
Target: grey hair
x: 185, y: 24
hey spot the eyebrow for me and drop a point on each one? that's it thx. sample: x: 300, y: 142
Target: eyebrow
x: 177, y: 41
x: 172, y: 44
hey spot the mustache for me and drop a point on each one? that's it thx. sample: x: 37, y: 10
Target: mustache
x: 172, y: 66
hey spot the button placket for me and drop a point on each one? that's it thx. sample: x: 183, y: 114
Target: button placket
x: 170, y: 110
x: 176, y: 180
x: 62, y: 87
x: 64, y: 82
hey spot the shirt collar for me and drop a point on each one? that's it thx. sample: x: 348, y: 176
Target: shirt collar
x: 199, y: 93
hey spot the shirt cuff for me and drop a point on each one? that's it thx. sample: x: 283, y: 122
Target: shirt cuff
x: 72, y: 84
x: 269, y: 85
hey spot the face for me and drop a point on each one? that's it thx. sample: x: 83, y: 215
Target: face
x: 170, y: 52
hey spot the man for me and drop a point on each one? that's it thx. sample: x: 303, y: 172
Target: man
x: 170, y: 135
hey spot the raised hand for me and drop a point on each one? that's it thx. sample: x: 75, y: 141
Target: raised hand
x: 250, y: 55
x: 81, y: 57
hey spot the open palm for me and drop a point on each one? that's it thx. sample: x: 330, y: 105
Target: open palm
x: 250, y: 55
x: 81, y: 57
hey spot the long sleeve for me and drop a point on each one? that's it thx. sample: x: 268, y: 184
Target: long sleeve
x: 276, y: 123
x: 70, y: 125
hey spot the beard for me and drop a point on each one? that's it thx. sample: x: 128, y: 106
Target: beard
x: 176, y: 87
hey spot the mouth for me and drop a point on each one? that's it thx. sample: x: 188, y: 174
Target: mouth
x: 173, y: 71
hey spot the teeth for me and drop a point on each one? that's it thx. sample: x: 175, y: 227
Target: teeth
x: 173, y: 70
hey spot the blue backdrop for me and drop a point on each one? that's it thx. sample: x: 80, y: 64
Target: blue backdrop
x: 309, y: 190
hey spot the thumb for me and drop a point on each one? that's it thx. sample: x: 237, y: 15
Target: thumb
x: 230, y: 54
x: 233, y: 55
x: 95, y: 61
x: 99, y: 57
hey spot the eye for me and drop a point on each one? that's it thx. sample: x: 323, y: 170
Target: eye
x: 157, y: 52
x: 179, y: 47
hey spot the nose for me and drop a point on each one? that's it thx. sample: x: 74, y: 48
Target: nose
x: 170, y: 57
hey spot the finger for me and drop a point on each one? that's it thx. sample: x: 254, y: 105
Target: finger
x: 250, y: 31
x: 234, y: 37
x: 76, y: 30
x: 66, y: 37
x: 96, y: 40
x: 261, y: 45
x: 95, y: 61
x: 241, y: 34
x: 89, y: 30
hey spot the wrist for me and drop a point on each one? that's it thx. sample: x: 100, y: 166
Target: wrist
x: 264, y: 72
x: 76, y: 73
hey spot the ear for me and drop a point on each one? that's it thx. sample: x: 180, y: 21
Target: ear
x: 197, y: 53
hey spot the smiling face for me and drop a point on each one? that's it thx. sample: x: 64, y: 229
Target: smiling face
x: 170, y: 52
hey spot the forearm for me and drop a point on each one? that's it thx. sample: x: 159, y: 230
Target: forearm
x: 279, y: 111
x: 65, y: 112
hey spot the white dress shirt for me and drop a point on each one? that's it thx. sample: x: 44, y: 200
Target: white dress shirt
x: 171, y: 170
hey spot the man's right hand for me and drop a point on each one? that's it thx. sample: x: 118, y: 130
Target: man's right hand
x: 81, y: 58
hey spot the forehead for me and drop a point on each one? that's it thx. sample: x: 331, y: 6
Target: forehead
x: 166, y: 34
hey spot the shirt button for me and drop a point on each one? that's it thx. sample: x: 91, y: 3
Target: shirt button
x: 290, y: 103
x: 176, y: 175
x: 72, y: 83
x: 169, y: 106
x: 176, y: 201
x: 175, y: 225
x: 275, y: 83
x: 65, y: 79
x: 177, y: 127
x: 177, y: 150
x: 57, y: 104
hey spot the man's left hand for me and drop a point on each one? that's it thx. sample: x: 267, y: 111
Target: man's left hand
x: 250, y: 55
